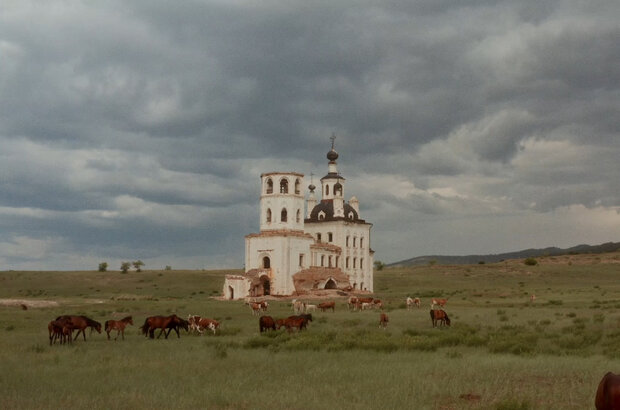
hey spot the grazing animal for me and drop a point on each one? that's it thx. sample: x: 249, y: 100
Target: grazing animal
x: 299, y: 306
x: 210, y: 324
x: 413, y: 302
x: 61, y: 330
x: 118, y: 325
x: 439, y: 315
x: 366, y: 305
x: 438, y: 302
x: 365, y: 300
x: 24, y: 307
x: 608, y: 393
x: 81, y: 323
x: 192, y: 323
x: 265, y: 323
x: 352, y: 302
x: 310, y: 307
x: 172, y: 322
x: 377, y: 303
x: 292, y: 322
x: 532, y: 297
x: 383, y: 320
x: 256, y: 308
x: 307, y: 317
x: 327, y: 305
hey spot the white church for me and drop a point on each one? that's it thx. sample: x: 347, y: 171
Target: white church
x: 298, y: 252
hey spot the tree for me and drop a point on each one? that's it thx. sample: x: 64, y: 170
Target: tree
x: 138, y: 264
x: 103, y: 266
x: 168, y: 267
x: 379, y: 265
x: 125, y: 266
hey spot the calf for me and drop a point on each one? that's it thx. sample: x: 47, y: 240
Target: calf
x: 210, y: 324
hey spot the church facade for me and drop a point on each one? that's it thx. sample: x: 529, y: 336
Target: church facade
x: 305, y: 245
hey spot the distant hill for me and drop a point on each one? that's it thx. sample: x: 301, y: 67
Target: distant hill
x: 527, y: 253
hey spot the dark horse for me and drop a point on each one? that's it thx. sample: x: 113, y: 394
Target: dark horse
x: 118, y: 325
x: 163, y: 322
x: 608, y: 393
x: 81, y: 323
x: 61, y: 330
x: 438, y: 315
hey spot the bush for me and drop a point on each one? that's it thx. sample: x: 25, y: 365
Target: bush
x: 103, y: 267
x: 530, y: 262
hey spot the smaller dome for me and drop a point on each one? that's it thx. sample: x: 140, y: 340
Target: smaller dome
x: 332, y: 155
x: 311, y: 187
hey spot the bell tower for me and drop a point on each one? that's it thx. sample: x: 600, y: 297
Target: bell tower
x: 282, y: 201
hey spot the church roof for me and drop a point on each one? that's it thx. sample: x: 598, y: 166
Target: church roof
x: 327, y: 206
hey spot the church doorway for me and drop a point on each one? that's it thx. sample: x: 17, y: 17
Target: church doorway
x: 231, y: 292
x: 330, y: 284
x: 264, y: 280
x: 266, y: 263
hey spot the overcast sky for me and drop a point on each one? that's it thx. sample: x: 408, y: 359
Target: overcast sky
x: 138, y: 130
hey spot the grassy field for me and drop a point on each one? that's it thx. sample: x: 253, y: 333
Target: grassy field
x: 501, y: 352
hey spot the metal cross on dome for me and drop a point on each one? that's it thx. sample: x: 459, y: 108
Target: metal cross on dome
x: 333, y: 138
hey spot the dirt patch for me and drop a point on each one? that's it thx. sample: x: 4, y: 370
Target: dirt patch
x: 29, y: 303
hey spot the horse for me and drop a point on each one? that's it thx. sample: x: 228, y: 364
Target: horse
x: 61, y: 330
x: 81, y: 323
x: 438, y: 315
x: 118, y: 325
x: 266, y: 322
x: 327, y: 305
x: 172, y: 322
x: 205, y: 323
x: 292, y: 322
x: 608, y: 393
x: 383, y: 320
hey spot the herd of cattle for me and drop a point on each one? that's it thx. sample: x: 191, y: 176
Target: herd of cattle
x: 62, y: 328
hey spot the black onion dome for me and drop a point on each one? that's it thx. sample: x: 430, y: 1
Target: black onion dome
x: 332, y: 155
x: 350, y: 214
x: 311, y: 187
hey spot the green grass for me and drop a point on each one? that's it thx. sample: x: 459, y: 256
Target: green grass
x: 512, y: 353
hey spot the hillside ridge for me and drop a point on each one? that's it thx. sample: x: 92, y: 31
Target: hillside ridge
x: 493, y: 258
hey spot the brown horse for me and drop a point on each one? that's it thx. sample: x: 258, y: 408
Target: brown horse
x: 327, y: 305
x: 118, y: 325
x: 608, y: 393
x: 292, y: 322
x: 61, y: 330
x: 172, y: 322
x: 81, y: 323
x: 438, y: 315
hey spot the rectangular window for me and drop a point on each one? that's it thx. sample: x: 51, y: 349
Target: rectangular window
x: 361, y: 242
x: 346, y: 262
x: 329, y: 262
x: 301, y: 260
x: 347, y: 241
x: 330, y: 237
x: 318, y: 237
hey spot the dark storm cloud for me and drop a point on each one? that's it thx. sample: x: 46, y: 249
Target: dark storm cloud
x: 122, y: 123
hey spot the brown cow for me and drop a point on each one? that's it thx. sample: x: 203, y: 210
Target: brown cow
x: 438, y: 302
x: 327, y: 305
x: 205, y: 323
x: 383, y: 320
x: 266, y: 322
x: 608, y: 393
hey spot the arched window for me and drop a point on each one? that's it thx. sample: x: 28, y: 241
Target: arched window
x: 326, y: 190
x: 354, y: 241
x: 321, y: 215
x: 351, y: 215
x: 269, y: 186
x: 298, y: 217
x: 322, y: 260
x: 268, y: 215
x: 361, y: 242
x: 338, y: 189
x: 284, y: 186
x: 330, y: 237
x: 329, y: 261
x: 297, y: 185
x: 346, y: 263
x: 266, y: 262
x: 283, y: 215
x: 347, y: 241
